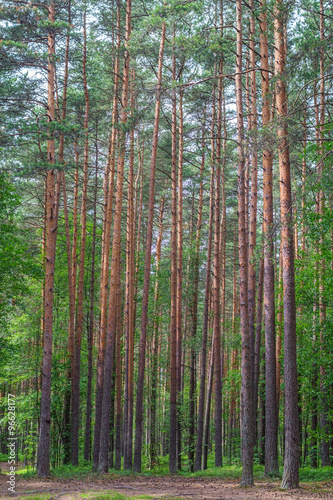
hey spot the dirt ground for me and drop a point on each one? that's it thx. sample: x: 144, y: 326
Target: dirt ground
x: 164, y: 488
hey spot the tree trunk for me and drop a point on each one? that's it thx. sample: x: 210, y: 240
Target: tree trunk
x: 87, y: 435
x: 156, y: 343
x: 179, y: 276
x: 324, y: 423
x: 118, y: 333
x: 271, y: 419
x: 107, y: 220
x: 257, y: 345
x: 173, y: 312
x: 291, y: 459
x: 43, y: 466
x: 79, y: 324
x: 145, y: 298
x: 71, y: 329
x: 201, y: 407
x: 103, y: 464
x: 207, y: 408
x: 246, y: 368
x: 279, y: 333
x: 129, y: 302
x: 194, y: 312
x: 216, y: 286
x: 254, y: 187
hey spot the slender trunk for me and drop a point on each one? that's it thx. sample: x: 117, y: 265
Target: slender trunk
x: 254, y: 186
x: 224, y: 218
x: 156, y: 343
x: 201, y: 407
x: 129, y: 302
x: 71, y: 329
x: 114, y: 288
x: 271, y: 420
x: 71, y: 332
x: 173, y: 322
x: 194, y: 312
x: 324, y: 423
x: 79, y: 324
x: 87, y: 439
x: 43, y: 466
x: 118, y: 332
x: 246, y: 368
x: 207, y: 408
x: 179, y: 276
x: 216, y: 286
x: 257, y: 344
x: 75, y: 220
x: 234, y: 352
x: 291, y: 459
x: 145, y: 298
x: 107, y: 220
x: 279, y: 333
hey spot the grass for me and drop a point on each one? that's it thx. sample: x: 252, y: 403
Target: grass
x: 234, y: 472
x: 308, y: 474
x: 42, y: 496
x: 114, y: 495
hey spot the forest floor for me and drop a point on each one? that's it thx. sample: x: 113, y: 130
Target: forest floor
x: 134, y: 487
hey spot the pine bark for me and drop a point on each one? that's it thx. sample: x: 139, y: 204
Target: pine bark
x: 201, y: 406
x: 106, y: 237
x: 79, y: 323
x: 145, y: 298
x: 43, y: 465
x: 71, y: 328
x: 254, y: 185
x: 291, y: 458
x: 114, y: 287
x: 173, y: 312
x: 87, y: 434
x: 324, y: 422
x: 246, y: 366
x: 216, y: 286
x: 129, y: 302
x: 194, y: 311
x: 156, y: 344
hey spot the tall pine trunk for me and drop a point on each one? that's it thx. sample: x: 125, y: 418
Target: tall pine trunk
x: 103, y: 464
x: 43, y: 465
x: 216, y: 285
x: 79, y: 324
x: 145, y: 298
x: 156, y: 344
x: 87, y: 434
x: 179, y: 315
x: 173, y: 312
x: 129, y: 301
x: 291, y: 458
x: 201, y: 407
x: 246, y: 366
x: 106, y: 236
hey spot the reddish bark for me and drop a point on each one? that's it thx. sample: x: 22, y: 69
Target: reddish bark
x: 43, y: 465
x: 291, y: 458
x: 106, y: 237
x: 144, y: 317
x: 246, y: 366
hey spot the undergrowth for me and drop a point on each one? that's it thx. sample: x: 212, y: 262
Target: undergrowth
x: 228, y: 471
